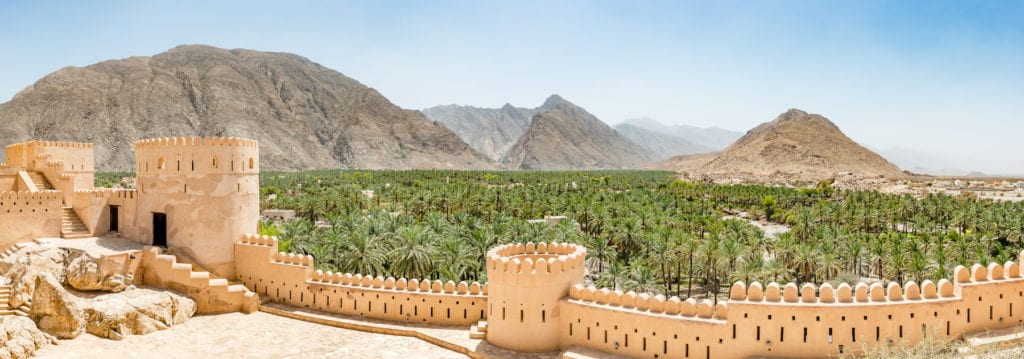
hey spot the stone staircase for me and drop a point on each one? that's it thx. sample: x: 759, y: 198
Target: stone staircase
x: 40, y: 181
x: 14, y: 248
x: 5, y: 303
x: 72, y: 226
x: 212, y: 294
x: 478, y: 331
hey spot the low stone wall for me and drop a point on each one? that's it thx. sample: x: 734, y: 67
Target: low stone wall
x: 25, y: 216
x: 290, y: 279
x: 785, y: 321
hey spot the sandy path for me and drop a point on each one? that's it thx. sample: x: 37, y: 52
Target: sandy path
x: 257, y: 335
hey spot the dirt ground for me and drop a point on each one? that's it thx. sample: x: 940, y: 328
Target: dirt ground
x: 257, y: 335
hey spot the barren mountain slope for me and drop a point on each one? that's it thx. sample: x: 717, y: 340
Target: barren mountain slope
x: 491, y: 131
x: 304, y: 115
x: 795, y: 146
x: 564, y: 136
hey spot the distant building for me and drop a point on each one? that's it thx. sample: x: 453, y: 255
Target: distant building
x: 279, y: 214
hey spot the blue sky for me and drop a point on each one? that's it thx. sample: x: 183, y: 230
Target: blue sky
x: 944, y: 77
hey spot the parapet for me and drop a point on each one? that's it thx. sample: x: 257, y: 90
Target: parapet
x: 648, y: 303
x: 196, y: 141
x: 535, y: 264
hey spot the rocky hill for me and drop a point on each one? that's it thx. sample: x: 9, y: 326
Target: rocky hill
x: 795, y: 146
x: 661, y: 145
x: 711, y: 137
x: 304, y: 115
x: 491, y: 131
x: 563, y: 136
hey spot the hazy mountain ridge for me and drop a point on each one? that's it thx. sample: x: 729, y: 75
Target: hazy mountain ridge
x: 563, y: 136
x: 711, y: 137
x: 304, y: 115
x: 661, y: 145
x: 490, y: 131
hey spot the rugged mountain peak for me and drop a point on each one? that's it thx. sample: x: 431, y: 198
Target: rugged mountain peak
x: 796, y: 145
x: 555, y: 102
x: 304, y: 115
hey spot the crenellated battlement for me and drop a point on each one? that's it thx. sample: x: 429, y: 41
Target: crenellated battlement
x: 535, y: 264
x: 196, y: 141
x: 647, y: 303
x: 290, y: 278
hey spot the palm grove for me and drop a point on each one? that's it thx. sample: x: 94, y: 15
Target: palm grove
x: 644, y: 231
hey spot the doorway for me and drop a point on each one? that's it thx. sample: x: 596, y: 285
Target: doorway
x: 113, y: 219
x: 160, y: 229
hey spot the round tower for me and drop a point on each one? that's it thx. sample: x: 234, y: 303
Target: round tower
x: 525, y: 284
x: 198, y: 196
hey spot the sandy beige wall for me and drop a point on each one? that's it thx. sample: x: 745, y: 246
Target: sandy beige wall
x: 209, y: 190
x: 9, y: 183
x: 291, y: 280
x: 784, y: 321
x: 25, y: 216
x: 93, y: 207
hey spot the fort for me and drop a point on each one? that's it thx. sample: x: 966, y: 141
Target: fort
x: 196, y: 212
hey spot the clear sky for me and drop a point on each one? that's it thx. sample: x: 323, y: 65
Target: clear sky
x: 944, y: 77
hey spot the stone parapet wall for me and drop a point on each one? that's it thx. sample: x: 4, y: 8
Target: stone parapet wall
x: 787, y: 321
x: 291, y: 279
x: 197, y: 155
x: 25, y: 216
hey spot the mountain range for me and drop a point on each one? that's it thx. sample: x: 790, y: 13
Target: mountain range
x: 307, y: 116
x: 304, y: 115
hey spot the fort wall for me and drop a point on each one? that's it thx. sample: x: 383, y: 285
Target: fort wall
x: 208, y: 189
x: 291, y: 279
x: 25, y: 216
x: 94, y: 208
x: 526, y: 282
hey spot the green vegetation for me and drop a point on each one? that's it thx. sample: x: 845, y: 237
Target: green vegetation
x: 645, y: 231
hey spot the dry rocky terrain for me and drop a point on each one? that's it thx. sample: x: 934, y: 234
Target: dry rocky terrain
x: 304, y: 115
x: 563, y: 136
x: 796, y: 146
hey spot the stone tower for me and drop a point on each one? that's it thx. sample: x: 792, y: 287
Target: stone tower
x: 525, y: 284
x: 198, y: 196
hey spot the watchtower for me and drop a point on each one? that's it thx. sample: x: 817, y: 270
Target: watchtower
x: 198, y: 196
x: 525, y: 284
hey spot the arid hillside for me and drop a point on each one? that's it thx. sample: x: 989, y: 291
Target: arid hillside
x: 563, y: 136
x: 795, y: 146
x: 305, y: 115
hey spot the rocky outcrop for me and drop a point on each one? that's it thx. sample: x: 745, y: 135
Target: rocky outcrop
x: 29, y: 263
x: 139, y: 311
x: 19, y: 337
x: 73, y: 267
x: 56, y: 311
x: 136, y: 312
x: 84, y: 273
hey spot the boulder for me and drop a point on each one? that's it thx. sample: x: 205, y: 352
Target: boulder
x: 21, y: 338
x: 54, y: 310
x: 23, y: 268
x: 85, y: 272
x: 136, y: 312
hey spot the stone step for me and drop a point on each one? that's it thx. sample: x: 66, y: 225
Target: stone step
x: 475, y: 333
x: 7, y: 312
x: 482, y: 325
